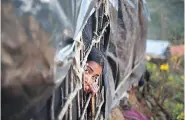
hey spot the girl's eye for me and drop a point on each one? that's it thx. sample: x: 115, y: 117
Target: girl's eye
x: 86, y: 67
x: 87, y: 71
x: 95, y: 79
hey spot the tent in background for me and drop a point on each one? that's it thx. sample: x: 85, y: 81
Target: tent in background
x: 157, y: 47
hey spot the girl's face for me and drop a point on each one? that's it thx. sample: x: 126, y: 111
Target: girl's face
x: 92, y: 72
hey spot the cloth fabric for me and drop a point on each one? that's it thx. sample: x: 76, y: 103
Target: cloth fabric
x: 134, y: 115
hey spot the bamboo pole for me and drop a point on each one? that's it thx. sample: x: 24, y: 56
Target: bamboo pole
x: 69, y: 100
x: 71, y: 90
x: 78, y: 101
x: 101, y: 104
x: 85, y: 108
x: 52, y: 106
x: 66, y: 92
x: 92, y: 107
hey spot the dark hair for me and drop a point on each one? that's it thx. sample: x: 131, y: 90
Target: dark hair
x: 96, y: 56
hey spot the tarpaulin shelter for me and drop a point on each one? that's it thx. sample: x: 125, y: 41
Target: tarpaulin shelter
x: 157, y: 50
x: 157, y: 47
x: 43, y: 55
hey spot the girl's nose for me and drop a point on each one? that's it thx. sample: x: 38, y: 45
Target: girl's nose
x: 88, y: 79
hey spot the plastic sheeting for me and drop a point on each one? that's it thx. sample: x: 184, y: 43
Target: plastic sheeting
x: 30, y: 26
x: 63, y: 22
x: 157, y: 47
x: 127, y: 44
x: 48, y: 33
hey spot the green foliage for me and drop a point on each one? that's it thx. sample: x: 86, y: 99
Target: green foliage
x: 170, y: 84
x: 180, y: 116
x: 167, y: 22
x: 182, y: 62
x: 151, y: 66
x: 170, y: 78
x: 177, y: 111
x: 173, y: 23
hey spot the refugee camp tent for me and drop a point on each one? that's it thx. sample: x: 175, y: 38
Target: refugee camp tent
x: 43, y: 56
x: 157, y: 47
x: 157, y: 50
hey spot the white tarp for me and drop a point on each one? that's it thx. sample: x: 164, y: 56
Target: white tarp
x: 157, y: 47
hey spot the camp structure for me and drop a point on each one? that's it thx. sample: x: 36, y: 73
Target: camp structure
x: 157, y: 50
x: 44, y: 53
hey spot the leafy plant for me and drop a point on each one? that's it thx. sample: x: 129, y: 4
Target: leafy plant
x: 168, y: 83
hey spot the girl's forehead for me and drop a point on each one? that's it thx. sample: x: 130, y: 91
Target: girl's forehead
x: 97, y: 68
